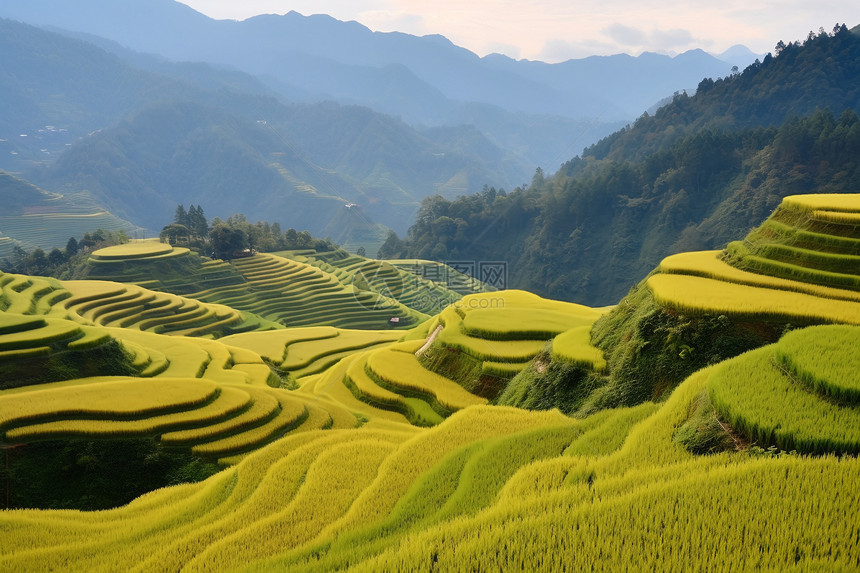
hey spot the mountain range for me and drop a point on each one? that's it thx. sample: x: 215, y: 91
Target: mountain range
x: 424, y: 80
x: 148, y: 104
x: 702, y: 169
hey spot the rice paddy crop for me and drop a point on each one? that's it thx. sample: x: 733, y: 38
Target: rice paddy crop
x: 129, y: 306
x: 782, y: 271
x: 822, y: 358
x: 402, y: 369
x: 298, y: 294
x: 137, y: 250
x: 574, y: 346
x: 709, y: 264
x: 227, y: 403
x: 489, y: 487
x: 757, y: 398
x: 334, y: 475
x: 698, y: 295
x: 847, y: 202
x: 526, y: 323
x: 122, y: 398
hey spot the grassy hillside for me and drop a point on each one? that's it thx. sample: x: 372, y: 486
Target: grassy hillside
x: 33, y: 217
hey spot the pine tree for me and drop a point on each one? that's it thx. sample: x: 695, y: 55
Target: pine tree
x: 181, y: 216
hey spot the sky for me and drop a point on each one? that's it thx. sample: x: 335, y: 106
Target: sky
x: 557, y: 30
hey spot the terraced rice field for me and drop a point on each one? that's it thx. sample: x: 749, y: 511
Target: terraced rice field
x: 7, y: 247
x: 308, y: 351
x: 48, y: 230
x: 27, y: 336
x: 389, y: 457
x: 134, y: 307
x: 443, y: 274
x: 297, y: 294
x: 796, y: 267
x: 488, y: 487
x: 293, y: 288
x: 800, y: 394
x: 458, y: 359
x: 504, y: 331
x: 421, y: 285
x: 213, y: 420
x: 158, y: 266
x: 58, y: 217
x: 809, y: 238
x: 574, y: 347
x: 21, y: 294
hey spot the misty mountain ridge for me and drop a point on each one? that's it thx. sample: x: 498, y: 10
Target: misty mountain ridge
x: 512, y: 116
x: 140, y: 140
x: 285, y: 47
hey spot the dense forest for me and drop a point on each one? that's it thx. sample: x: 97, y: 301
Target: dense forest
x: 703, y: 169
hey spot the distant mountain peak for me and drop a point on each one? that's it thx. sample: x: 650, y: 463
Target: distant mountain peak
x: 739, y: 55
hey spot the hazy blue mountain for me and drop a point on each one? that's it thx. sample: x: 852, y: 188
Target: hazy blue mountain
x: 142, y: 138
x: 287, y: 47
x: 740, y: 56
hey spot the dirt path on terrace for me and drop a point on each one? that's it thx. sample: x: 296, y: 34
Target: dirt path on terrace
x: 430, y: 340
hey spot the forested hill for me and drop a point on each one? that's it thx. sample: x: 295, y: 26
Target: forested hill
x: 699, y: 172
x: 823, y: 72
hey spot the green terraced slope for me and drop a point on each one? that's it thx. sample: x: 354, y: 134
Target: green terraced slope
x: 297, y: 294
x: 280, y: 291
x: 421, y: 285
x: 33, y: 217
x: 800, y: 266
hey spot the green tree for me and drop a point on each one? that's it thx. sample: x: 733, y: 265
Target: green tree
x: 174, y: 233
x: 71, y: 247
x: 181, y: 216
x: 392, y: 248
x: 227, y: 240
x: 56, y: 257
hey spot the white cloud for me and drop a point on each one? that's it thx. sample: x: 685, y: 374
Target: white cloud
x: 626, y: 35
x: 673, y: 39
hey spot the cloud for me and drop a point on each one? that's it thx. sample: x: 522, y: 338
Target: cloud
x: 557, y: 50
x: 625, y: 35
x: 672, y: 39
